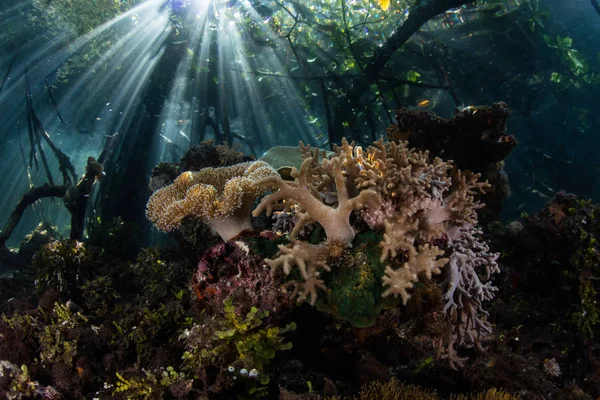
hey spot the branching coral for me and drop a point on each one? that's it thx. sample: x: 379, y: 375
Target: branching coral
x: 465, y: 292
x: 417, y: 200
x: 432, y: 191
x: 426, y: 210
x: 221, y: 197
x: 314, y: 198
x: 421, y: 261
x: 310, y: 259
x: 435, y: 216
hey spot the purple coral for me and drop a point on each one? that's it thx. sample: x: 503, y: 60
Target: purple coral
x: 465, y: 290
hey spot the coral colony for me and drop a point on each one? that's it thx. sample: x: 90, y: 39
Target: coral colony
x: 382, y: 242
x: 420, y: 212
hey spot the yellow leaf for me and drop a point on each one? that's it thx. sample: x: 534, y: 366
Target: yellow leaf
x: 384, y: 4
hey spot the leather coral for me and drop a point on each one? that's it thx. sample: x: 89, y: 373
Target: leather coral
x: 221, y: 197
x: 321, y: 192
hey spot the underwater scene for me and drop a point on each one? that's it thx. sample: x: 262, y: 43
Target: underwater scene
x: 300, y: 199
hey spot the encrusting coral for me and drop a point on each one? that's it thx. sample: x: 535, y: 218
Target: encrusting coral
x: 221, y: 197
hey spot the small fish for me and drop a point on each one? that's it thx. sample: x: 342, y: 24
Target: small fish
x: 424, y: 103
x: 542, y: 195
x: 384, y: 4
x: 182, y: 133
x: 166, y: 139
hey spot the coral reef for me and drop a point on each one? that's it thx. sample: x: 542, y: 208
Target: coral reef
x: 221, y: 197
x: 427, y: 212
x: 200, y: 156
x: 401, y: 276
x: 475, y: 138
x: 312, y: 205
x: 233, y: 270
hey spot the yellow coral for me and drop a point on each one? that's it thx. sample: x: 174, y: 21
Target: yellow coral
x: 221, y: 197
x: 491, y: 394
x: 393, y: 390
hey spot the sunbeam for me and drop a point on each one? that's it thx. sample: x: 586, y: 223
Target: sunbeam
x: 97, y: 102
x: 160, y: 76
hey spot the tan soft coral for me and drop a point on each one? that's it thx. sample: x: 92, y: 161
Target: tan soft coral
x: 221, y: 197
x: 423, y: 260
x: 310, y: 260
x: 433, y: 191
x: 319, y: 194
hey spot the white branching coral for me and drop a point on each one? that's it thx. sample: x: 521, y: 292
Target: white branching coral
x: 399, y: 234
x: 465, y: 291
x: 221, y: 197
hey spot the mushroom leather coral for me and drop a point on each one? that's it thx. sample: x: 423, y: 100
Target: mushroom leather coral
x: 221, y: 197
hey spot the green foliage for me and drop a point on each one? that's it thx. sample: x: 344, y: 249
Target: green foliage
x: 135, y: 388
x: 150, y: 306
x: 84, y: 15
x: 577, y: 69
x: 55, y: 334
x: 242, y: 341
x: 151, y: 384
x: 232, y: 344
x: 413, y: 76
x: 170, y: 376
x: 58, y: 341
x: 538, y: 16
x: 100, y: 295
x: 80, y: 17
x: 141, y: 326
x: 63, y: 266
x: 19, y: 382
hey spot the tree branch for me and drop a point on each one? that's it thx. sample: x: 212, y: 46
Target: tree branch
x: 596, y: 6
x: 28, y: 199
x: 422, y: 12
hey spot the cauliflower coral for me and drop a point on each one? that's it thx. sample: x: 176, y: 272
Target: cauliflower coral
x: 221, y: 197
